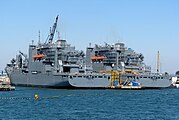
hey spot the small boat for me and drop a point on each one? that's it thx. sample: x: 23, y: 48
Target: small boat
x: 38, y: 56
x: 5, y: 84
x: 175, y: 81
x: 131, y: 85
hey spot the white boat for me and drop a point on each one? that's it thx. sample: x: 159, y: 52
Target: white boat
x: 175, y: 81
x: 5, y: 83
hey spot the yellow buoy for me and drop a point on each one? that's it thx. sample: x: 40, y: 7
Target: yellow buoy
x: 36, y: 97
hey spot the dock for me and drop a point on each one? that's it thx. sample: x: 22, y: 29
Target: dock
x: 6, y: 87
x: 131, y: 87
x: 126, y: 87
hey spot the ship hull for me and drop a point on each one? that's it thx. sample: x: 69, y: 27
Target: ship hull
x: 90, y: 83
x: 39, y: 80
x: 155, y: 83
x: 101, y: 81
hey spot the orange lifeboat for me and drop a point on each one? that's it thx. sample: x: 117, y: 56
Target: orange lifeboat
x: 97, y: 57
x: 38, y: 56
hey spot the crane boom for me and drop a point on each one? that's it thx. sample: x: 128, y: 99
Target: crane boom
x: 52, y: 32
x: 25, y: 56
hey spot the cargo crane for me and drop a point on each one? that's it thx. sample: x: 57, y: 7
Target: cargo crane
x: 26, y: 61
x: 52, y: 32
x: 25, y: 56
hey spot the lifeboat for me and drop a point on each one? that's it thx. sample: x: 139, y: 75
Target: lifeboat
x: 97, y: 57
x: 38, y: 56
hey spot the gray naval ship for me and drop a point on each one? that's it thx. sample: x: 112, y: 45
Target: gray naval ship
x: 52, y: 64
x: 58, y: 64
x: 123, y: 64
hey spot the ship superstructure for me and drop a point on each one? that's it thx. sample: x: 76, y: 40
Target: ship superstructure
x: 115, y: 57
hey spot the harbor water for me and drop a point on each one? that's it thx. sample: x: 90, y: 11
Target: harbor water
x: 62, y: 104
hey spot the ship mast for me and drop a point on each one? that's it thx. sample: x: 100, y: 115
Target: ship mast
x: 52, y: 32
x: 158, y: 62
x: 39, y: 38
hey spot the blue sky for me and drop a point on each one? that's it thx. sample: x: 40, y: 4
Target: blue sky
x: 143, y: 25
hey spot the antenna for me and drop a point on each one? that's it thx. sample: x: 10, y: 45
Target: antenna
x: 32, y: 42
x: 90, y: 45
x: 39, y: 38
x: 158, y: 62
x: 58, y: 34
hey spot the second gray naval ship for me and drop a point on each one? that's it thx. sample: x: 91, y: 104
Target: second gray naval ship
x: 58, y: 64
x: 123, y: 64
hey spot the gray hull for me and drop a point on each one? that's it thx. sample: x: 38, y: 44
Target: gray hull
x: 105, y: 82
x: 40, y: 80
x: 90, y: 83
x: 155, y: 83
